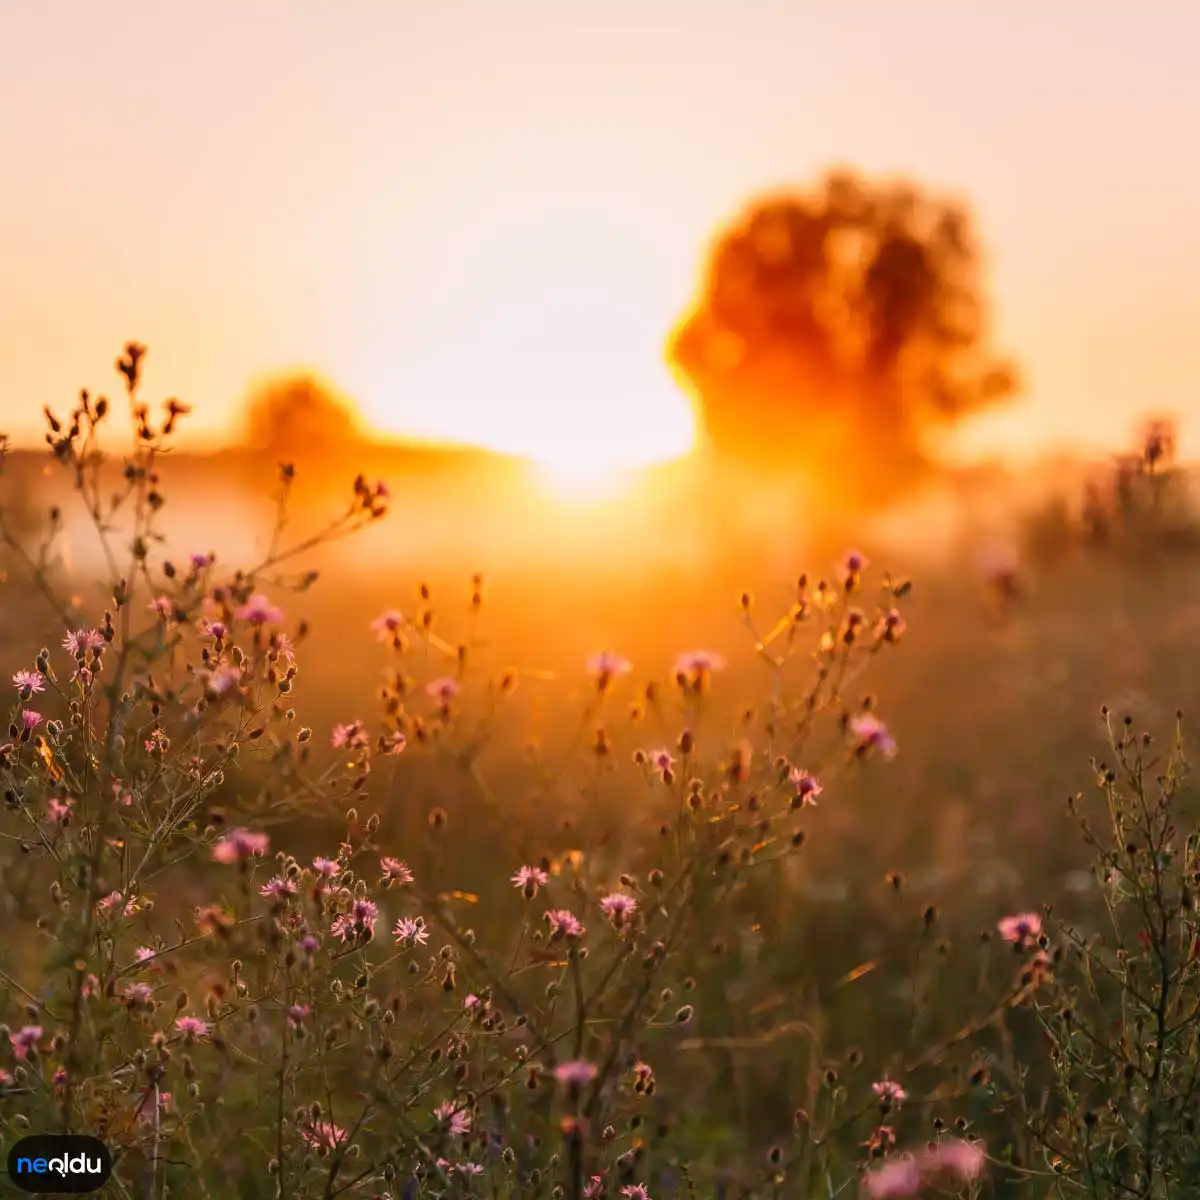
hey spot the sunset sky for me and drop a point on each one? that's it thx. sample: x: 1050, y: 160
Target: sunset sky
x: 481, y: 217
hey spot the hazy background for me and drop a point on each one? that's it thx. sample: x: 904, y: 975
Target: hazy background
x: 481, y: 218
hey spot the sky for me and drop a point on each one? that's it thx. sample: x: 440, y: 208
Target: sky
x: 480, y: 218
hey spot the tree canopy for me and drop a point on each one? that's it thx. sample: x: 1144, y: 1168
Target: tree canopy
x: 834, y: 331
x: 299, y: 415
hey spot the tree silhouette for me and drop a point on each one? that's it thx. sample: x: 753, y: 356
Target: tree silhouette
x: 299, y: 416
x: 834, y: 332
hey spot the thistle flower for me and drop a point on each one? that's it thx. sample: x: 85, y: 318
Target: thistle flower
x: 394, y: 871
x: 575, y: 1074
x: 191, y: 1028
x: 807, y: 786
x: 618, y: 908
x: 890, y: 1093
x: 25, y: 1039
x: 411, y: 931
x: 454, y: 1120
x: 529, y: 880
x: 564, y: 923
x: 240, y: 844
x: 259, y: 611
x: 872, y: 734
x: 323, y: 1135
x: 28, y: 682
x: 1023, y: 929
x: 606, y: 666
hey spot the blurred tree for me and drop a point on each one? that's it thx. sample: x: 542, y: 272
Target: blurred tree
x: 835, y: 332
x: 299, y: 416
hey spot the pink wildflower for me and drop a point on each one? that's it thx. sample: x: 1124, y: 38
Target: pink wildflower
x: 296, y: 1013
x: 872, y: 734
x: 564, y: 923
x: 697, y: 665
x: 217, y: 630
x: 618, y: 908
x: 240, y: 844
x: 444, y: 689
x: 277, y: 888
x: 358, y: 922
x: 529, y: 879
x: 606, y: 666
x: 30, y: 720
x: 957, y: 1157
x: 394, y: 743
x: 395, y: 871
x: 594, y: 1188
x: 223, y: 678
x: 351, y: 736
x: 387, y: 625
x: 28, y: 682
x: 258, y: 610
x: 58, y: 811
x: 635, y: 1191
x: 25, y: 1039
x: 162, y: 605
x: 191, y: 1028
x: 1023, y: 929
x: 807, y: 786
x: 455, y: 1121
x: 200, y: 561
x: 411, y: 931
x: 323, y: 1135
x: 890, y: 1093
x: 79, y: 641
x: 575, y: 1074
x: 900, y: 1177
x: 662, y: 760
x: 144, y: 954
x: 325, y: 867
x: 146, y: 1107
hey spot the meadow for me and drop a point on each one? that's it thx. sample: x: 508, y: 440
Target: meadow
x: 621, y: 854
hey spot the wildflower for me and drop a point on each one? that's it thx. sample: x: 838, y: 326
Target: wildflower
x: 693, y: 670
x: 358, y: 922
x: 564, y: 923
x: 900, y: 1177
x: 25, y: 1039
x: 411, y: 931
x: 961, y: 1159
x: 891, y: 626
x: 277, y: 888
x: 807, y: 786
x: 30, y: 720
x: 444, y: 689
x: 1023, y: 929
x: 618, y: 908
x: 157, y: 742
x: 283, y: 648
x: 139, y: 995
x: 529, y: 879
x: 217, y: 630
x: 455, y: 1121
x: 200, y: 561
x: 58, y: 811
x: 872, y: 734
x: 881, y: 1140
x: 296, y: 1014
x: 258, y: 610
x: 323, y: 1135
x: 387, y: 625
x: 222, y: 678
x: 162, y: 605
x: 351, y: 736
x: 325, y: 867
x: 394, y: 871
x: 852, y: 567
x: 635, y: 1191
x: 394, y: 743
x: 28, y: 682
x: 606, y: 666
x: 191, y: 1028
x: 113, y: 900
x: 144, y: 954
x: 240, y: 844
x: 661, y: 760
x: 79, y: 641
x: 890, y: 1093
x: 575, y: 1074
